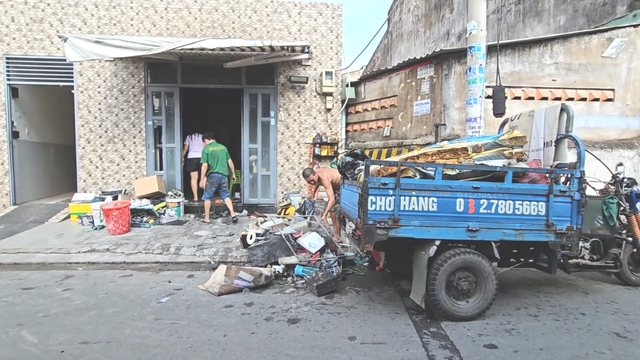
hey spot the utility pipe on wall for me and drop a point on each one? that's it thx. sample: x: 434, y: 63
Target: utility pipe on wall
x: 476, y: 64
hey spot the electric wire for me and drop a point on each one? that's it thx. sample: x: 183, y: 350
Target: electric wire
x: 369, y: 43
x: 498, y: 77
x: 344, y: 56
x: 601, y: 162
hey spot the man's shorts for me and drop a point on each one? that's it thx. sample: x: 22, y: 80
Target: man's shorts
x: 192, y: 165
x: 336, y: 206
x: 216, y: 182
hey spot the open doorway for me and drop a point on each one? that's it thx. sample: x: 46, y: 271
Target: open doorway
x: 43, y: 143
x: 218, y: 111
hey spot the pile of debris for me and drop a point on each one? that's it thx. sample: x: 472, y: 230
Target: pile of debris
x: 493, y: 150
x: 151, y: 205
x: 298, y: 250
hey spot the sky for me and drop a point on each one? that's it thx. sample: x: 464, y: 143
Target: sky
x: 360, y: 21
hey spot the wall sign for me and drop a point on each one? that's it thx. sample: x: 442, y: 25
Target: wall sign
x: 425, y: 87
x: 422, y: 107
x: 425, y: 71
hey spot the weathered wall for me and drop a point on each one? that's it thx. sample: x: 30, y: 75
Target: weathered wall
x: 611, y: 153
x: 110, y: 95
x: 400, y: 90
x: 567, y: 63
x: 418, y: 28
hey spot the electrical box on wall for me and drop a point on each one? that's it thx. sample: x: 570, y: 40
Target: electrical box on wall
x: 329, y: 103
x: 328, y: 82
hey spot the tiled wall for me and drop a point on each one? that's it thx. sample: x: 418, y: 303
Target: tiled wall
x: 110, y: 96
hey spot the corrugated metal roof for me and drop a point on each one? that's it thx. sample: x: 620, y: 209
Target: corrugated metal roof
x: 440, y: 52
x: 629, y: 19
x: 418, y: 29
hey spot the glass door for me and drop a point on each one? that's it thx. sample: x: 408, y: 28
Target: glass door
x: 259, y: 147
x: 164, y: 138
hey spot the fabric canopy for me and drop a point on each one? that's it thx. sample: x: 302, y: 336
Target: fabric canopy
x: 97, y: 47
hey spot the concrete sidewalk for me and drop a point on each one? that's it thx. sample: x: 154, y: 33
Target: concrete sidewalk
x: 67, y: 243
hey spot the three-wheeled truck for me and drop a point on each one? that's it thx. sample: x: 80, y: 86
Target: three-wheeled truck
x: 458, y: 230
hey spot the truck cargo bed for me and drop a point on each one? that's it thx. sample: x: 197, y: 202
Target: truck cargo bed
x: 441, y: 209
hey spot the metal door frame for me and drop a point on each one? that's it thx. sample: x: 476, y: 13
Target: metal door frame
x: 246, y: 147
x: 43, y: 81
x: 150, y: 136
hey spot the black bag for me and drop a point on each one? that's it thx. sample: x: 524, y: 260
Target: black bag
x: 306, y: 209
x: 351, y: 164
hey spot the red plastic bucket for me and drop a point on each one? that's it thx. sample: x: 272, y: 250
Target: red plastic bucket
x: 118, y: 217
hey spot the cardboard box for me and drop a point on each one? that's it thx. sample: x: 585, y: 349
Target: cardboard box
x: 150, y: 186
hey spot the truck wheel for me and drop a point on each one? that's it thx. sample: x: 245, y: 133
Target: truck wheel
x: 630, y: 270
x: 461, y: 285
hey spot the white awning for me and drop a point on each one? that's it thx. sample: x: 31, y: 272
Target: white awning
x: 100, y: 47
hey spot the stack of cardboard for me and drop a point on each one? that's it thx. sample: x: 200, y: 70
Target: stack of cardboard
x: 468, y: 151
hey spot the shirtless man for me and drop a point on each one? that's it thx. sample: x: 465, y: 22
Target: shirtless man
x: 331, y: 180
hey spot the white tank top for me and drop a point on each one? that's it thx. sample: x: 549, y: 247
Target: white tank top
x: 196, y: 145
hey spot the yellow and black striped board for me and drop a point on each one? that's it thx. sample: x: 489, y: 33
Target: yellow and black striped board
x: 381, y: 154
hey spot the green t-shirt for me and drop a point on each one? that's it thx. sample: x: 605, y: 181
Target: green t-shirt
x: 216, y: 156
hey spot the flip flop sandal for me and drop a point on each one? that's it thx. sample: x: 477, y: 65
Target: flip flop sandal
x: 234, y: 219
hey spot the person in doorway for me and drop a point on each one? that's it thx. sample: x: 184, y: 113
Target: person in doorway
x: 331, y: 180
x: 216, y: 164
x: 193, y: 146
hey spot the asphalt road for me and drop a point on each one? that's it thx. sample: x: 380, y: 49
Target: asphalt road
x: 122, y: 314
x: 145, y: 315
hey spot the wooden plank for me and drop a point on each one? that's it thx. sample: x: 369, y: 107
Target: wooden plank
x: 454, y: 151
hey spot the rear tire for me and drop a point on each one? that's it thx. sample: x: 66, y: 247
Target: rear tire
x: 461, y: 285
x: 630, y: 270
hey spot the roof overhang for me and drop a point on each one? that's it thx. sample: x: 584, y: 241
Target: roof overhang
x: 243, y: 52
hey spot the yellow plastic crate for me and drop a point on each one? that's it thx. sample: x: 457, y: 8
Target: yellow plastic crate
x: 79, y: 209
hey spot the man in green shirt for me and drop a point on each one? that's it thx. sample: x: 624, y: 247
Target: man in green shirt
x: 216, y: 164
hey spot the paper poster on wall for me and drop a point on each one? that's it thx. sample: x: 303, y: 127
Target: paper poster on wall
x: 476, y: 52
x: 422, y: 107
x: 425, y: 87
x: 475, y: 126
x: 475, y: 70
x: 425, y: 71
x: 472, y: 27
x: 615, y: 48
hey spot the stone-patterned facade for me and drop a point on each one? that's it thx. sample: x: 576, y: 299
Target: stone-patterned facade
x: 110, y: 95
